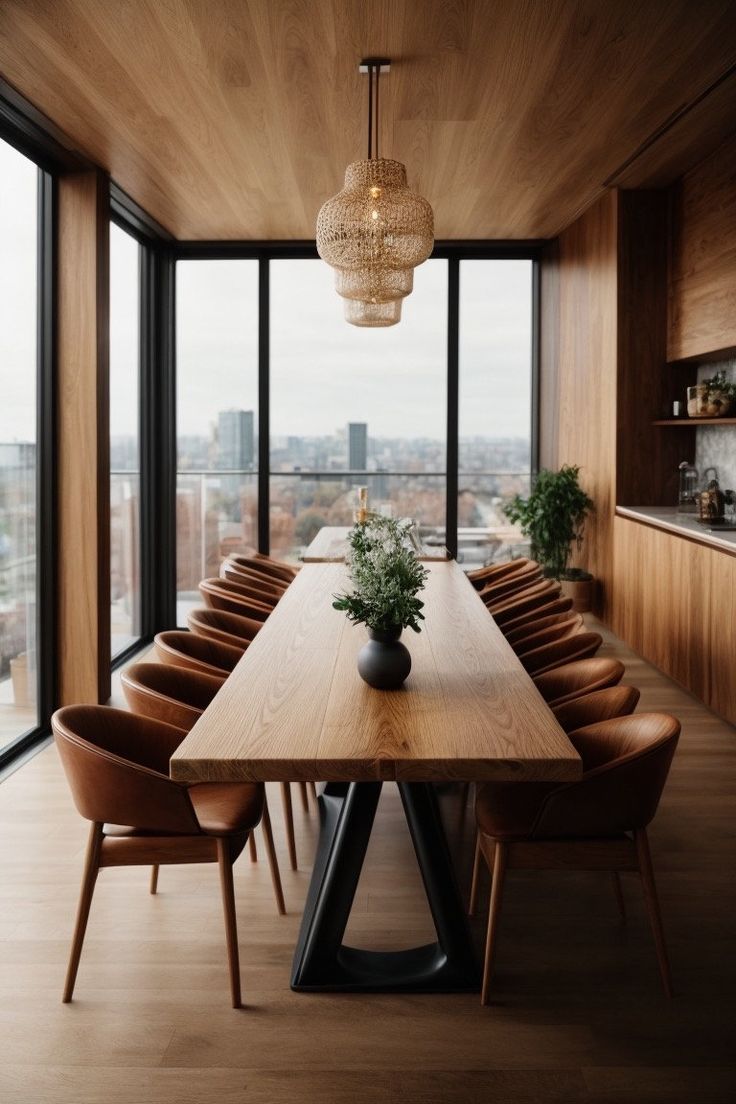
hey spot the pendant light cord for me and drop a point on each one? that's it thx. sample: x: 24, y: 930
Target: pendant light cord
x: 370, y: 112
x: 378, y: 74
x: 373, y: 109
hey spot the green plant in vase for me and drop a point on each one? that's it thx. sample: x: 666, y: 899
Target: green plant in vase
x: 553, y: 517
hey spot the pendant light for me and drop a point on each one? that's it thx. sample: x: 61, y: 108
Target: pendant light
x: 376, y: 230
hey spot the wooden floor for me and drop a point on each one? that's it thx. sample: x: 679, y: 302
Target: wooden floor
x: 577, y: 1014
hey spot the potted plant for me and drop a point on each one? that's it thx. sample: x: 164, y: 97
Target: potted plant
x: 553, y: 517
x: 386, y: 577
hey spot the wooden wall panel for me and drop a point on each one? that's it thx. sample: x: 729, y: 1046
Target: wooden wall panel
x: 675, y: 604
x: 583, y: 278
x: 83, y: 439
x: 702, y: 285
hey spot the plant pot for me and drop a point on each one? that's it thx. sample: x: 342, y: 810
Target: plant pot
x: 384, y: 662
x: 581, y: 592
x: 703, y: 402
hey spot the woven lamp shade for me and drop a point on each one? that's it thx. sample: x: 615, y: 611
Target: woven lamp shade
x: 372, y: 315
x: 375, y: 231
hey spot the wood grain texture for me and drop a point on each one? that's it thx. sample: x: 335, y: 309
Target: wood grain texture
x: 83, y: 473
x: 236, y: 118
x: 702, y: 285
x: 675, y: 604
x: 295, y: 707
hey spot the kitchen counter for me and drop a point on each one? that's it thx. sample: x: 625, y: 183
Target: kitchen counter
x: 684, y: 525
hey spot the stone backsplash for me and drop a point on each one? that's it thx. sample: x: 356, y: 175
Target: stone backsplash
x: 715, y: 445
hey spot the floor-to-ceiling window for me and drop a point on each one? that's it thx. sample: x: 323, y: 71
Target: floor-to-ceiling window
x: 354, y: 407
x: 216, y: 418
x: 18, y: 441
x: 495, y: 403
x: 125, y: 480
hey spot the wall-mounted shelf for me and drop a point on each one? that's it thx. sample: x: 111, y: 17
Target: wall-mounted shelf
x: 694, y: 421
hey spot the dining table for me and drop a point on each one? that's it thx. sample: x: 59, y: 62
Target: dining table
x: 330, y: 545
x: 295, y: 709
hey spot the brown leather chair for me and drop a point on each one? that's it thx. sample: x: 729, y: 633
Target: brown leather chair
x: 219, y: 594
x: 179, y: 696
x: 262, y: 583
x: 598, y: 823
x: 288, y: 570
x: 581, y: 645
x: 519, y: 580
x: 570, y: 626
x: 248, y: 588
x: 227, y: 628
x: 556, y: 606
x: 574, y: 680
x: 275, y: 569
x: 538, y: 624
x: 197, y: 653
x: 601, y: 705
x: 117, y: 767
x: 533, y: 598
x: 483, y: 576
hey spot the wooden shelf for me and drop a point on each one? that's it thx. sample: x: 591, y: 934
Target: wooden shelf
x: 694, y: 421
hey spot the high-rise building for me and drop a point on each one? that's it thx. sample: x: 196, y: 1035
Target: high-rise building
x: 235, y: 439
x: 357, y: 446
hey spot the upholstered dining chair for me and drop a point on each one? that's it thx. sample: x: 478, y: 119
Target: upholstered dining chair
x: 601, y: 705
x: 228, y: 628
x: 538, y: 624
x: 117, y: 767
x: 263, y: 583
x: 288, y: 570
x: 220, y: 594
x: 274, y: 568
x: 581, y: 645
x: 570, y: 626
x: 555, y: 606
x: 524, y: 601
x: 482, y: 576
x: 179, y: 697
x: 198, y: 653
x: 248, y: 589
x: 575, y: 679
x: 495, y: 591
x: 597, y: 823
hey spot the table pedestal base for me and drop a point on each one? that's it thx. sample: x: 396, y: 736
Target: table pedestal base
x: 321, y: 962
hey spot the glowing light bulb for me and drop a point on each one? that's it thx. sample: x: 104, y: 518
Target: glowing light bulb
x: 374, y: 215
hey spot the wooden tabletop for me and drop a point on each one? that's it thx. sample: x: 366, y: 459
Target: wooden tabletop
x: 331, y: 543
x: 296, y: 709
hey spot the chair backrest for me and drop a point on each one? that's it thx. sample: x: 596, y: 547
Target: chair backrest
x: 537, y: 595
x: 116, y: 764
x: 228, y: 628
x: 174, y: 695
x: 537, y: 624
x: 625, y: 763
x: 482, y: 576
x: 247, y: 589
x: 496, y: 591
x: 569, y: 626
x: 556, y: 606
x: 264, y: 583
x: 579, y: 646
x: 575, y: 679
x: 266, y: 566
x: 186, y: 649
x: 601, y: 705
x: 220, y: 594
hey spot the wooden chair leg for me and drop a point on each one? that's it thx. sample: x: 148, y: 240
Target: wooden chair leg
x: 313, y: 791
x: 231, y: 927
x: 619, y: 895
x: 646, y: 872
x: 305, y: 796
x: 474, y: 885
x: 494, y: 912
x: 91, y: 866
x: 154, y: 878
x: 289, y: 823
x: 273, y: 862
x: 252, y: 849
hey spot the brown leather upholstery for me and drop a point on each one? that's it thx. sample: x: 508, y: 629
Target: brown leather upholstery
x: 174, y: 695
x: 266, y: 566
x: 287, y: 570
x: 601, y: 705
x: 556, y: 606
x: 228, y: 628
x: 570, y: 626
x: 524, y: 601
x: 483, y: 576
x: 625, y: 763
x: 537, y: 624
x: 220, y: 594
x: 579, y: 646
x: 518, y: 580
x: 264, y: 583
x: 573, y: 680
x: 116, y: 763
x: 248, y: 588
x: 198, y: 653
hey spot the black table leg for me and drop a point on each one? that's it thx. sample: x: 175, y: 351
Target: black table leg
x: 347, y: 811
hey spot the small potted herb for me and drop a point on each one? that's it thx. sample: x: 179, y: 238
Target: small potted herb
x: 386, y: 577
x: 553, y: 517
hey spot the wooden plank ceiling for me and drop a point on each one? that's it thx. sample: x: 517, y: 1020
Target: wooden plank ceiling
x: 235, y: 118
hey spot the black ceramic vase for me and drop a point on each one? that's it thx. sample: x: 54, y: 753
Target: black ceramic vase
x: 384, y: 662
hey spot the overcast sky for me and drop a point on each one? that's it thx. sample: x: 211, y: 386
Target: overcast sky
x: 324, y: 372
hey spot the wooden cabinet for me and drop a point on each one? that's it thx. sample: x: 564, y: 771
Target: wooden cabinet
x: 674, y: 602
